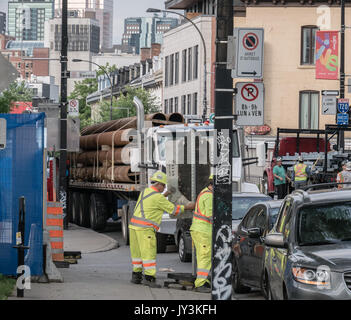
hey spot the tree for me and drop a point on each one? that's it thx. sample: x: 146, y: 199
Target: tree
x: 15, y: 92
x: 125, y: 107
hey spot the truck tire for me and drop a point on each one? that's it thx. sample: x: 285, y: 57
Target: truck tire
x: 183, y: 253
x: 98, y: 212
x: 75, y: 207
x: 161, y: 239
x: 84, y: 214
x: 124, y: 225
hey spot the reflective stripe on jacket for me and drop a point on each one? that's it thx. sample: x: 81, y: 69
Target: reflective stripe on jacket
x: 300, y: 172
x: 202, y: 218
x: 149, y: 210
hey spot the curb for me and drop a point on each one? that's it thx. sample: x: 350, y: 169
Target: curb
x: 113, y: 244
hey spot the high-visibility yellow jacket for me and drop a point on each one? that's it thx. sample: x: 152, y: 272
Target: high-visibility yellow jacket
x: 149, y: 210
x: 300, y: 172
x: 202, y: 218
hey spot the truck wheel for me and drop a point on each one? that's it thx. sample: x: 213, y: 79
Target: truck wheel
x: 161, y: 239
x: 124, y: 222
x: 98, y: 212
x: 75, y: 207
x: 84, y: 215
x: 183, y: 251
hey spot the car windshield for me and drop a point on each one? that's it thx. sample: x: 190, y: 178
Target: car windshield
x: 242, y: 204
x: 324, y: 224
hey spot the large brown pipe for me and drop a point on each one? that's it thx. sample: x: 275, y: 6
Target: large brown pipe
x: 122, y: 174
x: 175, y: 117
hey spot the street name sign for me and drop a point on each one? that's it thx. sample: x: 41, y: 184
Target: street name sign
x: 330, y: 92
x: 329, y: 105
x: 249, y: 53
x: 249, y: 103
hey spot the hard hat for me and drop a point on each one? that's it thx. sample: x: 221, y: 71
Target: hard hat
x: 279, y: 159
x: 211, y: 177
x: 300, y: 159
x: 348, y: 166
x: 160, y: 177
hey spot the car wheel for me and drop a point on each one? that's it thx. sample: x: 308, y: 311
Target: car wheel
x: 236, y: 282
x: 183, y: 253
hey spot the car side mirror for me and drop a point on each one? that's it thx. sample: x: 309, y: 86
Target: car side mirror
x: 275, y: 240
x: 254, y: 232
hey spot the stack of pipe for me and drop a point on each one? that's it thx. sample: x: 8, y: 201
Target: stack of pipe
x: 105, y: 154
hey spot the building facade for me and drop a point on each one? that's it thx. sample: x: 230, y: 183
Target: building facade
x: 101, y: 10
x: 183, y: 67
x: 142, y: 32
x: 2, y: 22
x: 26, y: 20
x: 83, y: 43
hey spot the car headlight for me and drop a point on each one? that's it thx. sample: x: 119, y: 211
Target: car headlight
x: 319, y: 277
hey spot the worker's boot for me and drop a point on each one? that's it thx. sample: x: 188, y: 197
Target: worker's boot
x: 206, y: 288
x: 150, y: 281
x: 137, y: 277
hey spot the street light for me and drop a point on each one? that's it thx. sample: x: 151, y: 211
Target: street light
x: 153, y: 10
x: 109, y: 78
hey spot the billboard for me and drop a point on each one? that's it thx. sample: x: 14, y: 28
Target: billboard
x: 327, y: 55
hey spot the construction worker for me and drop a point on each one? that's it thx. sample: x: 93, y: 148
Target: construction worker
x: 345, y: 176
x: 280, y: 177
x: 340, y: 175
x: 201, y: 233
x: 300, y: 174
x: 143, y: 225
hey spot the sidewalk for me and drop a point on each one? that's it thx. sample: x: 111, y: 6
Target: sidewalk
x: 103, y: 273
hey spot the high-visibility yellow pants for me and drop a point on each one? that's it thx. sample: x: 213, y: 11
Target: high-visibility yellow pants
x: 143, y: 250
x: 203, y: 245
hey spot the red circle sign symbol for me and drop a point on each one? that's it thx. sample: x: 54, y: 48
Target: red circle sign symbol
x: 249, y: 92
x: 73, y: 103
x: 250, y: 41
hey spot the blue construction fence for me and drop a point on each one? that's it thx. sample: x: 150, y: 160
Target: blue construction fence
x: 21, y: 174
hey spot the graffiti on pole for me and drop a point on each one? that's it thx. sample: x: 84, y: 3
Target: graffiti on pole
x: 223, y: 167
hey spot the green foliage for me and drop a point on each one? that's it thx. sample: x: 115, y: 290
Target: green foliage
x: 6, y: 286
x: 15, y: 92
x: 125, y: 107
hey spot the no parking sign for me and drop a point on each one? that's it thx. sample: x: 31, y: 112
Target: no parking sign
x: 249, y: 103
x: 73, y: 108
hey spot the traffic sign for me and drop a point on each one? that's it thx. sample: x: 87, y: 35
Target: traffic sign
x: 73, y: 108
x: 342, y: 119
x: 249, y: 103
x: 212, y: 117
x: 328, y: 104
x: 343, y: 105
x: 249, y: 53
x: 330, y: 92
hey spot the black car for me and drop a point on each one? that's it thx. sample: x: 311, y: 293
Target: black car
x: 241, y: 203
x: 308, y: 251
x: 248, y: 246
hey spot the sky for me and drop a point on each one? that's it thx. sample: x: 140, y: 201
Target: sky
x: 122, y: 9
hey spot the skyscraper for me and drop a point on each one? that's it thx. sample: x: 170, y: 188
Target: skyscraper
x: 2, y: 22
x: 27, y: 18
x: 101, y: 10
x: 141, y: 32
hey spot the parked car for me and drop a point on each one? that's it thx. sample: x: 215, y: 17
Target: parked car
x: 241, y: 203
x: 248, y: 246
x: 308, y: 251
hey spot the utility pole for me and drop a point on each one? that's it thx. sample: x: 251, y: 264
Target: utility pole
x: 63, y: 120
x: 222, y: 200
x: 342, y: 65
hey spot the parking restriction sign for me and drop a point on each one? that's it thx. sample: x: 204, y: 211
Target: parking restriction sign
x: 249, y: 103
x: 73, y: 108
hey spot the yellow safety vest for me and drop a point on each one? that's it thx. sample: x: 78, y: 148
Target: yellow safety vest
x: 149, y: 210
x: 300, y: 172
x: 202, y: 218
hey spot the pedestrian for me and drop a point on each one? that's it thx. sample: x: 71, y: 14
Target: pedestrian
x: 300, y: 174
x: 143, y: 226
x: 345, y: 176
x: 280, y: 179
x: 339, y: 176
x: 201, y: 233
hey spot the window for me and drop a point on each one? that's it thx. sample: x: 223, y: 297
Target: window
x: 261, y: 220
x: 176, y: 104
x: 196, y: 61
x: 166, y: 106
x: 176, y: 69
x: 284, y: 218
x: 308, y: 39
x: 183, y: 104
x: 309, y: 110
x: 171, y: 105
x: 195, y: 103
x: 166, y: 71
x: 184, y: 65
x: 189, y: 104
x: 171, y: 72
x: 190, y: 64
